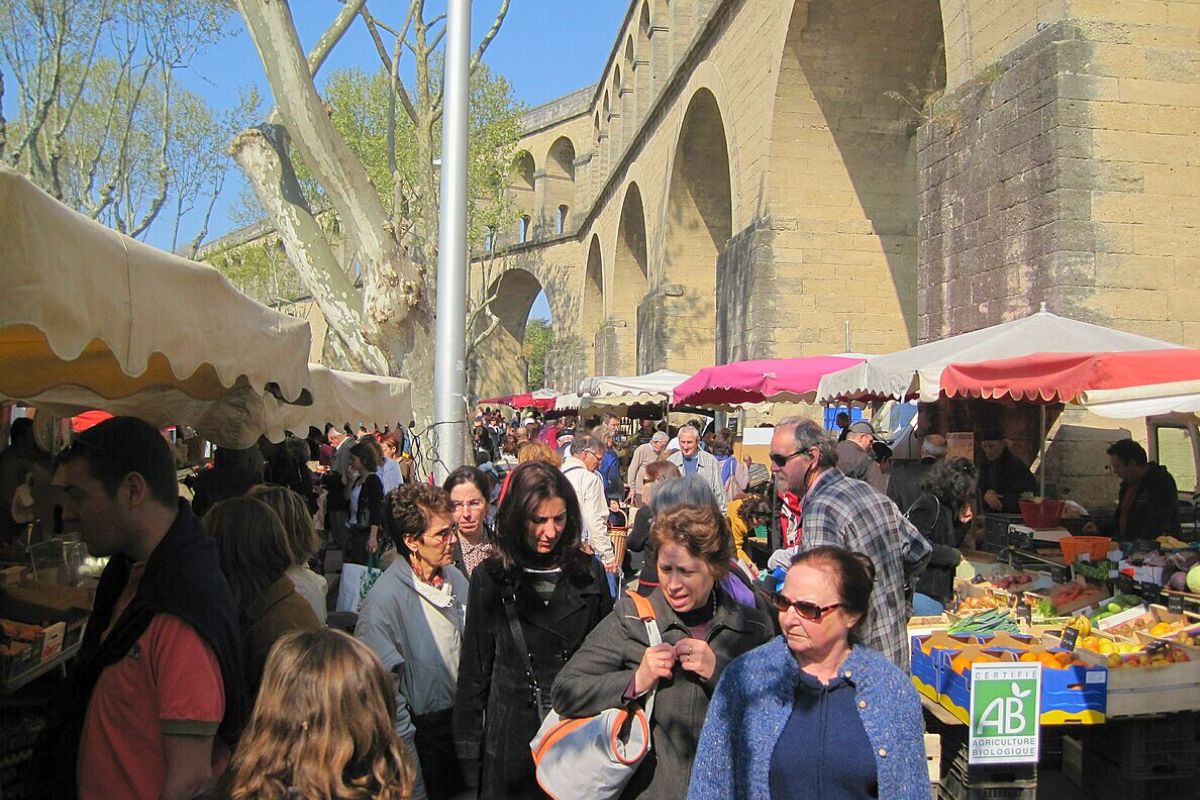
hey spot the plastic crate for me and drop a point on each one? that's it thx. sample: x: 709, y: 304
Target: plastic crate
x: 958, y: 785
x: 1104, y: 780
x: 1096, y: 547
x: 1163, y: 747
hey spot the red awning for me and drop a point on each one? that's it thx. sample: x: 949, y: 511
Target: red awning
x: 81, y: 422
x: 1062, y: 377
x: 519, y: 401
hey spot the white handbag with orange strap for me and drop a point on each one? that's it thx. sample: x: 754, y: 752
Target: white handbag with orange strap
x: 595, y: 757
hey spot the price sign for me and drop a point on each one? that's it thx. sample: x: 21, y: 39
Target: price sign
x: 1005, y: 713
x: 1070, y: 638
x: 1175, y: 603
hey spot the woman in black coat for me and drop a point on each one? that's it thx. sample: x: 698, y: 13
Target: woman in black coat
x: 366, y: 524
x: 540, y: 579
x: 943, y: 514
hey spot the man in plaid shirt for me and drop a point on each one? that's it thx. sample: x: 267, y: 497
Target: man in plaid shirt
x: 848, y: 513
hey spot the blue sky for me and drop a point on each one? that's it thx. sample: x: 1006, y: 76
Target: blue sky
x: 546, y: 48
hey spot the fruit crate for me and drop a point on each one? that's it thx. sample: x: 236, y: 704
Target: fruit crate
x: 1162, y: 747
x: 1104, y: 780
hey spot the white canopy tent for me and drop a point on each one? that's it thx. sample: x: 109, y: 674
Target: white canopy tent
x: 626, y: 390
x: 339, y: 397
x: 90, y: 318
x: 1144, y: 401
x: 916, y: 372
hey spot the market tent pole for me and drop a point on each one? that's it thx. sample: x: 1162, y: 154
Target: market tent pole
x: 1042, y: 451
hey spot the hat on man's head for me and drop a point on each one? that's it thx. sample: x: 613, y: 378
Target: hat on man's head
x: 862, y: 426
x: 991, y: 432
x: 529, y: 421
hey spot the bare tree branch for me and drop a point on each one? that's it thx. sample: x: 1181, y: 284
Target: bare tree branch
x: 401, y: 92
x: 324, y: 45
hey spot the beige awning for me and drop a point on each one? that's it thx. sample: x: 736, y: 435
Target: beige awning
x: 341, y: 397
x: 87, y: 307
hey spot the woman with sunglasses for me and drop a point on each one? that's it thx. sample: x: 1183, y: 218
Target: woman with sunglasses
x: 469, y: 490
x: 413, y: 620
x: 703, y: 628
x: 814, y: 713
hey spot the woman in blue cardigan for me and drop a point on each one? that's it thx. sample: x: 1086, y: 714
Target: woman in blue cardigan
x: 813, y: 713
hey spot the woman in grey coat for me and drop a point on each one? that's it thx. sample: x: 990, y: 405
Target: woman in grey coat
x: 702, y: 628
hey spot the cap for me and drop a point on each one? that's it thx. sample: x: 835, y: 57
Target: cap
x: 862, y: 426
x: 528, y: 421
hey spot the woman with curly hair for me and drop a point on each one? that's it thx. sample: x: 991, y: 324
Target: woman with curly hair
x: 943, y: 514
x: 529, y: 608
x: 322, y: 726
x: 703, y: 628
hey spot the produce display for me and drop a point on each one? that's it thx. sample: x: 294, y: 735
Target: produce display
x: 1122, y: 602
x: 986, y: 623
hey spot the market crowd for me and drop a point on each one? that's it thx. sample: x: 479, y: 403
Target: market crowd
x: 213, y: 667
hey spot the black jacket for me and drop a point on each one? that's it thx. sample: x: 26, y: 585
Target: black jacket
x: 904, y: 482
x: 182, y: 577
x: 599, y: 674
x: 494, y: 713
x: 1010, y: 477
x: 1155, y: 509
x: 938, y: 522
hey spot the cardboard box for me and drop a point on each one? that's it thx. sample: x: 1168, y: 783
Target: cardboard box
x: 52, y: 640
x: 1073, y: 695
x: 926, y: 659
x: 1126, y: 624
x: 1148, y: 690
x: 11, y: 576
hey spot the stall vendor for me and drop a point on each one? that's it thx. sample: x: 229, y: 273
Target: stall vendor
x: 1148, y: 502
x: 1003, y: 477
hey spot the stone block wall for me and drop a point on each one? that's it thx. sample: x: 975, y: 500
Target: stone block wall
x: 1067, y: 173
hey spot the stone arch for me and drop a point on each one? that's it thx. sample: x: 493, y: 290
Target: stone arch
x: 591, y: 308
x: 499, y: 361
x: 559, y: 180
x: 630, y: 277
x: 699, y: 224
x: 835, y: 126
x: 521, y: 183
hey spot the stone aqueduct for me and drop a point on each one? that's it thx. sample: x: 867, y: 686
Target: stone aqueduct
x: 750, y: 178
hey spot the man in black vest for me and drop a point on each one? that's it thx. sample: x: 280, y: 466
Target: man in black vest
x: 155, y: 699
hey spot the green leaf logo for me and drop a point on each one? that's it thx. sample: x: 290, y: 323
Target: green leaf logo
x: 1016, y: 691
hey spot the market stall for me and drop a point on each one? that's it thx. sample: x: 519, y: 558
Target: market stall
x: 622, y: 391
x: 337, y: 396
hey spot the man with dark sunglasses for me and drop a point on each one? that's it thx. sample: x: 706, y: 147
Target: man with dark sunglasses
x: 848, y: 513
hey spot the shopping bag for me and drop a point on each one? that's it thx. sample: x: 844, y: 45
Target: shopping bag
x: 357, y: 580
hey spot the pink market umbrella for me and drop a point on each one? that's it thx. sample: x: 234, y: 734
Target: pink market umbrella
x: 777, y: 380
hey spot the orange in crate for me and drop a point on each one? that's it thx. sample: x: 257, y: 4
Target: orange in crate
x: 1096, y: 547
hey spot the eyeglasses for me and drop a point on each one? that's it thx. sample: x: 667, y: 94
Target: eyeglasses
x: 781, y: 461
x: 445, y: 535
x: 459, y: 505
x: 807, y: 610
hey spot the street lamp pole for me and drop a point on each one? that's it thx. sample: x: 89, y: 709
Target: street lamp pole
x: 449, y: 373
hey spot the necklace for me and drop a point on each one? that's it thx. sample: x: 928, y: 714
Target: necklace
x: 434, y: 578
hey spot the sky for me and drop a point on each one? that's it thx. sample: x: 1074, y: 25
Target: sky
x: 546, y: 48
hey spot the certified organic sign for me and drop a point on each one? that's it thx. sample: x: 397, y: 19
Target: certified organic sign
x: 1005, y: 709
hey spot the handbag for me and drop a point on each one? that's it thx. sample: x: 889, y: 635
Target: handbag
x: 357, y: 580
x: 595, y: 757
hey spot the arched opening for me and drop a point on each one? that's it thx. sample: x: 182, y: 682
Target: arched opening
x: 511, y: 358
x: 560, y: 183
x: 522, y: 187
x: 630, y: 276
x: 644, y: 26
x: 561, y: 226
x: 699, y: 224
x: 591, y: 309
x: 835, y: 126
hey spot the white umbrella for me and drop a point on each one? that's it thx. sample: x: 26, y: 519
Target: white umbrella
x: 626, y: 390
x: 917, y: 372
x: 338, y: 397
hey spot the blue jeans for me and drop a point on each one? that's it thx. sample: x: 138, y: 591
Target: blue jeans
x: 926, y: 606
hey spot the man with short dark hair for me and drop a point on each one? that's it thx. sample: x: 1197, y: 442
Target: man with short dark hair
x: 1148, y: 500
x: 155, y: 698
x: 839, y: 511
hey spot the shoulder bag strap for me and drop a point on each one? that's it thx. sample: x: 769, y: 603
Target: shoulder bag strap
x: 508, y: 596
x: 645, y: 612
